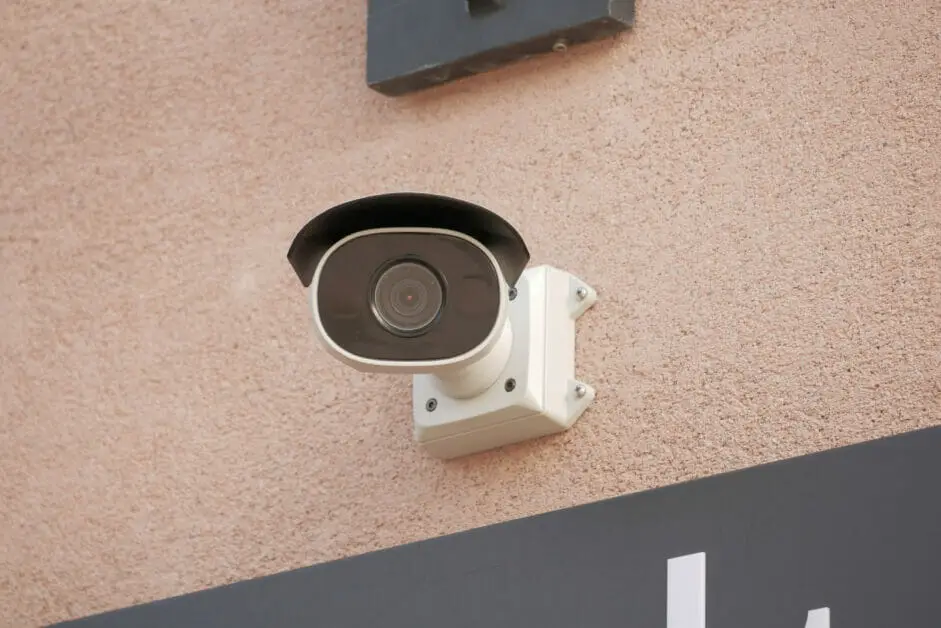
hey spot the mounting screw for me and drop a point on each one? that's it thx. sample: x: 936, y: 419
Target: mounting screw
x: 581, y: 293
x: 513, y: 293
x: 560, y: 46
x: 580, y: 390
x: 431, y: 404
x: 509, y: 385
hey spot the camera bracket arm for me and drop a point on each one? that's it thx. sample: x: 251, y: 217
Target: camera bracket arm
x: 536, y: 393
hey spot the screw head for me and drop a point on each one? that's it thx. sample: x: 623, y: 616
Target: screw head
x: 580, y: 390
x: 431, y: 404
x: 581, y: 293
x: 509, y: 385
x: 513, y: 293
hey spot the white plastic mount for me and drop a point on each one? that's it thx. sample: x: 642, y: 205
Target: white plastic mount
x: 536, y: 392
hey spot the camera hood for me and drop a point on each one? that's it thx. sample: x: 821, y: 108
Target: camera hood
x: 408, y: 210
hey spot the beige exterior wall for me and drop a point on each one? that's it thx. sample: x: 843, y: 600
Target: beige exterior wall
x: 752, y: 186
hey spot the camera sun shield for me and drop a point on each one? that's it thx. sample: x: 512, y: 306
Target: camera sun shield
x: 408, y: 210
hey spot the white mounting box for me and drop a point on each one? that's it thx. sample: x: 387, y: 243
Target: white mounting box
x: 536, y: 393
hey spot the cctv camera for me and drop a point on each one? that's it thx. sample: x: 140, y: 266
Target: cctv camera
x: 438, y: 288
x: 412, y: 283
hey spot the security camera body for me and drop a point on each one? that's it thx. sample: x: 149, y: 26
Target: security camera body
x: 409, y: 300
x: 422, y: 284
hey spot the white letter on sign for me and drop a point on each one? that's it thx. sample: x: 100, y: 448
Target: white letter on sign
x: 686, y: 591
x: 819, y: 618
x: 686, y: 595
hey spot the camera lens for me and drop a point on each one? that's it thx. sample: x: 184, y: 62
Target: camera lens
x: 407, y: 298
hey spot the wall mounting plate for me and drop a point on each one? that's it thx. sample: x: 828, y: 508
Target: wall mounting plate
x: 416, y: 44
x: 536, y: 394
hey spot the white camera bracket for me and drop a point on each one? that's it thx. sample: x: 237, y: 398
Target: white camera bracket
x: 536, y: 393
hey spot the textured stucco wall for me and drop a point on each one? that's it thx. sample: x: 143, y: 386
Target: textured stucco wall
x: 753, y: 187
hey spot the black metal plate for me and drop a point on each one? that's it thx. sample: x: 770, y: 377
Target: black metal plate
x: 416, y: 44
x: 856, y: 530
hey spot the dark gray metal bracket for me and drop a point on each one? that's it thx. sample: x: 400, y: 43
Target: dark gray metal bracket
x: 416, y: 44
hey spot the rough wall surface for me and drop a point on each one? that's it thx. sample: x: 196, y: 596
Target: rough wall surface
x: 752, y: 186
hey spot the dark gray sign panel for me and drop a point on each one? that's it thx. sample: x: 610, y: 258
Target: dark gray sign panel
x: 413, y: 45
x: 848, y: 538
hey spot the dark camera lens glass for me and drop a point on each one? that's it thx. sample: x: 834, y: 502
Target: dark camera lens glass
x: 407, y: 298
